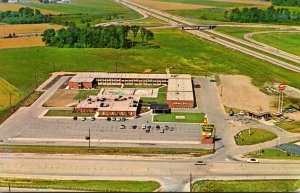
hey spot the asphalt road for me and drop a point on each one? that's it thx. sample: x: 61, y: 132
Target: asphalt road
x: 173, y: 174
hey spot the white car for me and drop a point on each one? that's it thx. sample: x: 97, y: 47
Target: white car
x: 83, y: 118
x: 252, y: 160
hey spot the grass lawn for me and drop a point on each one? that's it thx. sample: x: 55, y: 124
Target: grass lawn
x: 256, y: 136
x: 193, y: 53
x: 289, y: 42
x: 246, y: 186
x: 83, y: 94
x: 272, y: 153
x: 81, y: 185
x: 66, y: 113
x: 293, y: 127
x: 101, y: 150
x: 161, y: 97
x: 189, y: 117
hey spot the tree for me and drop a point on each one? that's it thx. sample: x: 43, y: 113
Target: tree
x: 149, y: 35
x: 143, y: 34
x: 135, y: 30
x: 48, y: 36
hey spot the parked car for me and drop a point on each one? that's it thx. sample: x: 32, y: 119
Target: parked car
x: 242, y: 113
x: 166, y: 127
x: 122, y: 127
x: 148, y: 126
x: 113, y: 119
x: 119, y: 119
x: 162, y: 131
x: 157, y: 127
x: 252, y: 160
x: 143, y: 126
x: 147, y: 130
x: 108, y: 119
x: 212, y: 80
x: 137, y: 116
x: 123, y: 119
x: 93, y: 118
x: 75, y: 118
x: 171, y: 128
x: 134, y: 126
x: 200, y: 163
x: 83, y: 118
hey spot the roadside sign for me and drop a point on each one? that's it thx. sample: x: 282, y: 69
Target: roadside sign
x: 281, y: 86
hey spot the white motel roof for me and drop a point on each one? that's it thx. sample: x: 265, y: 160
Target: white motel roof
x: 180, y: 96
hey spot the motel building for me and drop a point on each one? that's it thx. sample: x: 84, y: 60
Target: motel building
x: 180, y: 93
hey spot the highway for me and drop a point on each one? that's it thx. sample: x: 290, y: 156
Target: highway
x: 173, y: 174
x: 179, y: 21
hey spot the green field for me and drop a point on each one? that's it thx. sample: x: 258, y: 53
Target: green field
x: 209, y: 3
x: 272, y: 153
x: 91, y: 7
x: 81, y: 185
x: 83, y: 94
x: 289, y: 42
x: 293, y: 127
x: 247, y: 186
x: 189, y: 117
x: 94, y: 10
x: 193, y: 54
x: 256, y: 136
x: 141, y: 151
x: 67, y: 113
x: 239, y: 32
x: 204, y: 15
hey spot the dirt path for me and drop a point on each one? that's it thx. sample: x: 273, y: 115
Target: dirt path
x: 239, y: 93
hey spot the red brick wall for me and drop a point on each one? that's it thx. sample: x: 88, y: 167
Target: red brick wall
x: 87, y: 85
x: 73, y: 85
x: 180, y: 104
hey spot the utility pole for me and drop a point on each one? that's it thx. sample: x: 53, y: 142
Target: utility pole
x: 191, y: 179
x: 9, y: 187
x: 89, y: 138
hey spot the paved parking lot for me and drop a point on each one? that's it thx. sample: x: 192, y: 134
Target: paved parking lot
x: 27, y: 126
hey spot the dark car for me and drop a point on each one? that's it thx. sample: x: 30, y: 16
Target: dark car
x: 197, y: 86
x: 75, y: 118
x: 134, y: 126
x: 157, y: 127
x: 200, y: 163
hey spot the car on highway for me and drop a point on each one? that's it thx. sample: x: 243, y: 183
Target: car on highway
x: 122, y: 127
x: 83, y: 118
x: 200, y: 163
x: 252, y: 160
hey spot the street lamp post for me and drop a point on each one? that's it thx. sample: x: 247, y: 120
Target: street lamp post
x: 89, y: 138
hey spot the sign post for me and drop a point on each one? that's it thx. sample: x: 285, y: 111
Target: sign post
x: 281, y: 88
